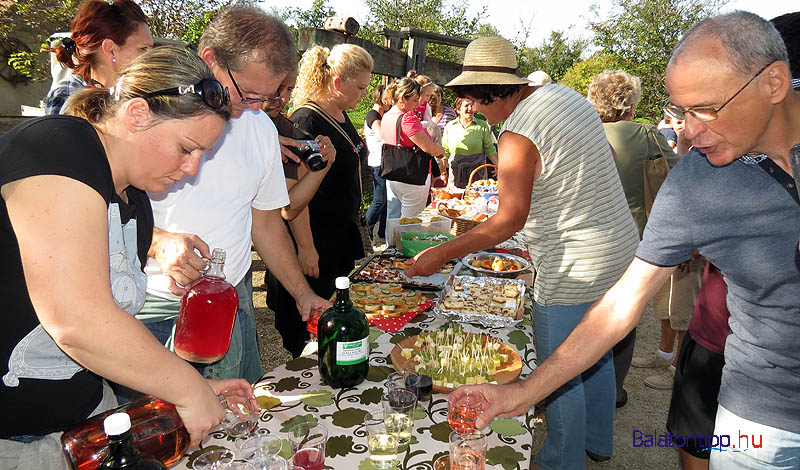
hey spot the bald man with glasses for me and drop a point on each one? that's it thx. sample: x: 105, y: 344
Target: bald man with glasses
x: 733, y: 199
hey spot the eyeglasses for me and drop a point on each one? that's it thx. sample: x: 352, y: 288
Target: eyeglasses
x: 210, y: 90
x: 250, y: 100
x: 706, y: 114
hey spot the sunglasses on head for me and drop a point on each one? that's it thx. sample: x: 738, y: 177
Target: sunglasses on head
x: 250, y: 100
x: 214, y: 95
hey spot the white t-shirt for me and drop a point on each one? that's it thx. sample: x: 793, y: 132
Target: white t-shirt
x: 242, y: 171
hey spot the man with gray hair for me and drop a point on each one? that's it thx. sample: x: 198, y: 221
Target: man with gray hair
x: 732, y: 198
x: 237, y: 194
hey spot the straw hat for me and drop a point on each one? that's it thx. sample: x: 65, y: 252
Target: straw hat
x: 489, y: 61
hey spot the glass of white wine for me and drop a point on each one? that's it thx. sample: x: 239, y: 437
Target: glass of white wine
x: 382, y: 443
x: 398, y: 406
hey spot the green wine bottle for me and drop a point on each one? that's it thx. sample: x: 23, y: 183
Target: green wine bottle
x: 343, y: 335
x: 121, y: 453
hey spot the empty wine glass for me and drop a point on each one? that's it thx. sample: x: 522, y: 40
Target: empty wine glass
x: 239, y: 421
x: 213, y: 459
x: 260, y: 447
x: 268, y: 462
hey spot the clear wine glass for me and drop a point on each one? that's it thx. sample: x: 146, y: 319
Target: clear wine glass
x: 213, y: 459
x: 239, y: 422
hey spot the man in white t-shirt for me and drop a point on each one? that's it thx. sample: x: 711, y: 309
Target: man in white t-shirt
x: 236, y: 196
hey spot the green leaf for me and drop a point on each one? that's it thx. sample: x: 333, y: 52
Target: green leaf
x: 505, y: 456
x: 519, y: 339
x: 441, y: 432
x: 420, y: 318
x: 396, y: 338
x: 301, y: 363
x: 367, y: 464
x: 339, y: 446
x: 374, y: 334
x: 419, y: 413
x: 349, y: 417
x: 197, y: 453
x: 268, y: 403
x: 410, y: 331
x: 378, y: 373
x: 371, y: 395
x: 507, y: 427
x: 294, y: 421
x: 287, y: 383
x: 317, y: 398
x: 286, y: 449
x: 526, y: 320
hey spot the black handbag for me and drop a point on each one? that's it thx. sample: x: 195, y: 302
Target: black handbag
x: 404, y: 164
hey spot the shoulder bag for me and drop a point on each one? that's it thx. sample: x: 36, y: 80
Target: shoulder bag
x: 404, y: 164
x: 656, y: 169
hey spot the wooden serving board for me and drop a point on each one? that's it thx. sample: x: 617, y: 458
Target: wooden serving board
x: 506, y: 373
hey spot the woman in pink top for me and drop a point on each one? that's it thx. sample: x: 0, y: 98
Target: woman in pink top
x: 402, y: 199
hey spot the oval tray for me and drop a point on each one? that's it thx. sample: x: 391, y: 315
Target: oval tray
x: 526, y: 265
x: 506, y: 373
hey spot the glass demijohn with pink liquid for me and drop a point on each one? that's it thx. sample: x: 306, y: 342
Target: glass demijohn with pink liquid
x: 208, y: 310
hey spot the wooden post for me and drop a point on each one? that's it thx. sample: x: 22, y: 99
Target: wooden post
x: 416, y: 53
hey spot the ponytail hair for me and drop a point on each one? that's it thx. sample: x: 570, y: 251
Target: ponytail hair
x: 159, y: 69
x: 319, y: 65
x: 423, y: 80
x: 402, y: 88
x: 96, y: 21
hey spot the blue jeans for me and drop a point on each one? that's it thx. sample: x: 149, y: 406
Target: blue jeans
x: 376, y: 214
x: 243, y: 359
x: 757, y: 446
x: 581, y: 414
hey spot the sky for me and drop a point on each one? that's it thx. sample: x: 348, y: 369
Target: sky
x: 544, y: 15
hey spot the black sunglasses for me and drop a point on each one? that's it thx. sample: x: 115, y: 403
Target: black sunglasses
x: 210, y: 90
x: 250, y: 100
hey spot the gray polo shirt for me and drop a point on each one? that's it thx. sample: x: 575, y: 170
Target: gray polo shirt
x: 745, y: 221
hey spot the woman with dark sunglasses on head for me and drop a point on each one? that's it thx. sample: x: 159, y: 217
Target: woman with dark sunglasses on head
x: 70, y: 319
x: 105, y: 37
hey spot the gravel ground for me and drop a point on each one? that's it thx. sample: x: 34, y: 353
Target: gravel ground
x: 646, y: 408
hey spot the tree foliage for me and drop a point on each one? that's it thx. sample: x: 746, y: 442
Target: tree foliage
x: 171, y: 19
x: 313, y: 17
x: 641, y: 34
x: 438, y: 16
x: 555, y: 55
x: 579, y: 75
x: 36, y: 19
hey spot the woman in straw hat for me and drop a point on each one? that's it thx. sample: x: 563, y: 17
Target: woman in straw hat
x: 560, y: 186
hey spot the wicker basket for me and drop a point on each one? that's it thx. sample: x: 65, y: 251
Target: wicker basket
x: 464, y: 225
x: 476, y: 170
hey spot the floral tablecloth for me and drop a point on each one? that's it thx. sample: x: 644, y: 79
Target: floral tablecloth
x: 293, y: 393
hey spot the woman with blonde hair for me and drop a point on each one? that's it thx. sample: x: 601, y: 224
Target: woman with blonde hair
x: 404, y: 199
x: 105, y: 37
x: 329, y: 82
x: 59, y: 226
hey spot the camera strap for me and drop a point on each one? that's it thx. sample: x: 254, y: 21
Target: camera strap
x: 317, y: 109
